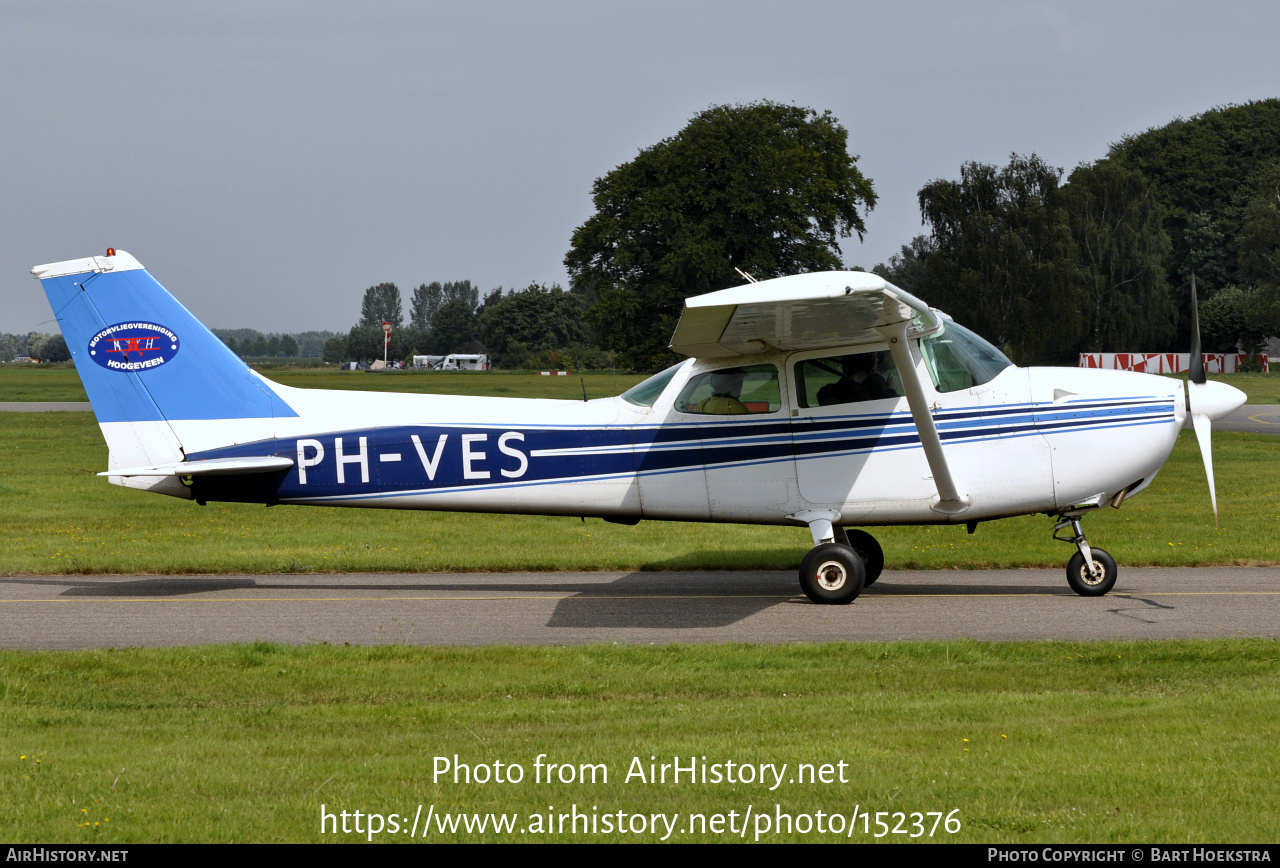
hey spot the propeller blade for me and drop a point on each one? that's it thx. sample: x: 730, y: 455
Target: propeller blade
x: 1200, y: 422
x: 1197, y: 355
x: 1207, y: 401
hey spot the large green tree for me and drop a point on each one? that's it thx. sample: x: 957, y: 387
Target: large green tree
x: 1206, y: 168
x: 52, y: 349
x: 455, y: 326
x: 517, y: 326
x: 1004, y: 261
x: 1117, y: 224
x: 1200, y: 194
x: 910, y: 268
x: 1209, y: 171
x: 461, y: 290
x: 1260, y: 233
x: 335, y: 349
x: 428, y: 298
x: 10, y: 346
x: 767, y: 188
x: 364, y: 343
x: 1045, y: 269
x: 381, y: 304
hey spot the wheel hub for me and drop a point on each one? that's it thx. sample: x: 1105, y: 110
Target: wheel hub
x: 832, y: 576
x: 1099, y: 574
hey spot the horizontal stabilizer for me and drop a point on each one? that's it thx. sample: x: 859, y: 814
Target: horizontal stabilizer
x: 210, y: 467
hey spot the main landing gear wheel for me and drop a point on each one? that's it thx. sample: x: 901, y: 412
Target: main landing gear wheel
x: 832, y: 573
x: 1096, y: 585
x: 869, y: 550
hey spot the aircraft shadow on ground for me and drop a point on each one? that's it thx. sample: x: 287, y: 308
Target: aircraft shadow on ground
x: 662, y: 599
x: 633, y: 585
x: 648, y: 600
x: 159, y: 586
x: 677, y: 601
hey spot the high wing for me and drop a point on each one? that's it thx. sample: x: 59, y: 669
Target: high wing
x: 814, y: 311
x: 803, y: 312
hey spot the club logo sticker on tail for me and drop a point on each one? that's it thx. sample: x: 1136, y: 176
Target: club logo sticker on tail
x: 133, y: 346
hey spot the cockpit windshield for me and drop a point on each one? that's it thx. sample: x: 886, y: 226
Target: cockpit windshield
x: 647, y: 392
x: 959, y: 359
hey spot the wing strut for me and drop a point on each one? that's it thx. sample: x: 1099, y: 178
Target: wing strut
x: 950, y: 500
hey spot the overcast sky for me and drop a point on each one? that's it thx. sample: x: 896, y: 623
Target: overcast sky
x: 268, y: 161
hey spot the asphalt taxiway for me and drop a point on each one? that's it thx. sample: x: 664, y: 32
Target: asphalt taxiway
x: 1252, y: 419
x: 640, y: 608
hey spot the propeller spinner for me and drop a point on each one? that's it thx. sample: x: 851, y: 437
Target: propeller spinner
x: 1206, y: 401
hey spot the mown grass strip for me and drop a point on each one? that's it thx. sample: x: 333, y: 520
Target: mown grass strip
x: 62, y: 383
x: 1041, y: 742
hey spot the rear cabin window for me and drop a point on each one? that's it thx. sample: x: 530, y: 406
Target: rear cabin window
x: 734, y: 391
x: 847, y: 379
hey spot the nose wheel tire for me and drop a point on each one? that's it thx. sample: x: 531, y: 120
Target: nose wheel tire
x: 1096, y: 585
x: 869, y: 550
x: 832, y: 573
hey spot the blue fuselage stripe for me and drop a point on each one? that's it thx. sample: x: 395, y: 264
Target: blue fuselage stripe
x: 463, y: 457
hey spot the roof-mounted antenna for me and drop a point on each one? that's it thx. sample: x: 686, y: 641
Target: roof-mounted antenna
x: 749, y: 278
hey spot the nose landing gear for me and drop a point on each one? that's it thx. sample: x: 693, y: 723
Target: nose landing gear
x: 1091, y: 572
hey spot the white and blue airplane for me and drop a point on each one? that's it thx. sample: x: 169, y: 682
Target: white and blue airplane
x: 833, y: 400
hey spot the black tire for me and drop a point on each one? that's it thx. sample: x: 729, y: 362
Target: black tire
x: 1084, y: 584
x: 832, y: 573
x: 869, y: 550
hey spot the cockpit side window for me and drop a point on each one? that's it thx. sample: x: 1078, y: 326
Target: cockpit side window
x: 959, y: 359
x: 732, y: 392
x: 847, y: 379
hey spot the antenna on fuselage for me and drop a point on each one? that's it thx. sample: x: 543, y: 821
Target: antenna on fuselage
x: 584, y: 389
x: 748, y: 277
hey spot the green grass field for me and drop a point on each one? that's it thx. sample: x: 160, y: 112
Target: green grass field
x: 56, y: 516
x: 1162, y: 742
x: 28, y: 382
x: 61, y: 382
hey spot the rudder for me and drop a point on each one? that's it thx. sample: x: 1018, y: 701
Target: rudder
x: 159, y: 381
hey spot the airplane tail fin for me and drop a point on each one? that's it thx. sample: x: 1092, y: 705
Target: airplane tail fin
x: 160, y: 382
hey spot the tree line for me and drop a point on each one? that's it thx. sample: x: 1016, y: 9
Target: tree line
x: 765, y: 188
x: 251, y: 343
x: 1044, y: 267
x: 247, y: 343
x: 1103, y: 262
x: 536, y: 327
x: 36, y: 345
